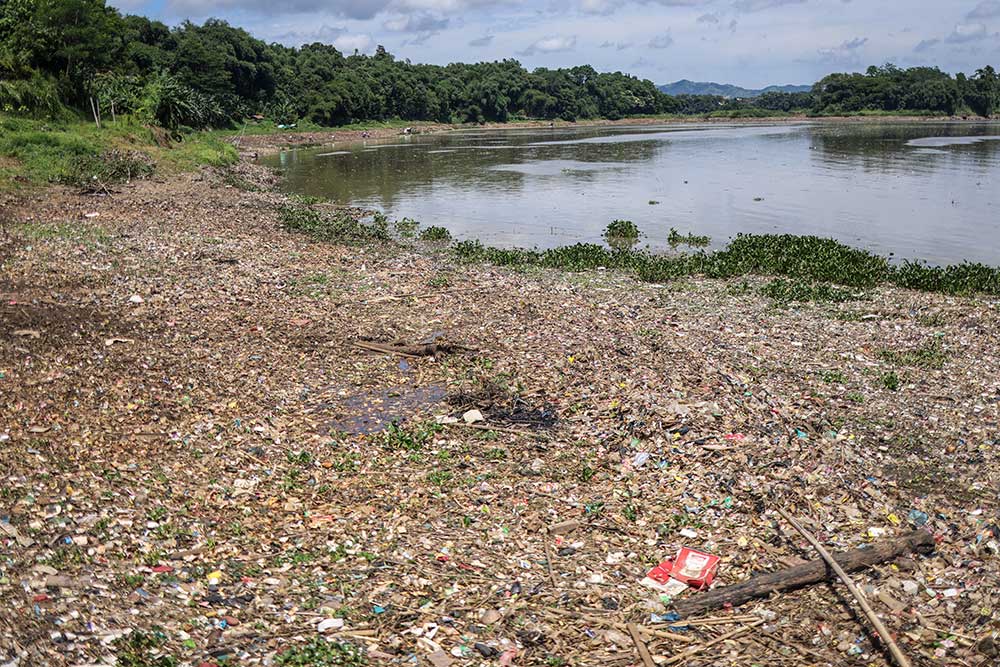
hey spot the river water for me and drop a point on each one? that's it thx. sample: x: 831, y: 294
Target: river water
x: 928, y: 191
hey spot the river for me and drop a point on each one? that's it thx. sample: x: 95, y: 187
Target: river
x: 925, y: 190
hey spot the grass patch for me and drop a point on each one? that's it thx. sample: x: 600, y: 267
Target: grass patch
x: 930, y: 355
x: 38, y: 152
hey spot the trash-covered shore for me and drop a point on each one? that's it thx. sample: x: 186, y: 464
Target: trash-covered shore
x: 227, y: 444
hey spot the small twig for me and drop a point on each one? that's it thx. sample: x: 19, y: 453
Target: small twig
x: 640, y: 645
x: 873, y: 618
x: 548, y: 559
x: 500, y: 429
x: 721, y: 638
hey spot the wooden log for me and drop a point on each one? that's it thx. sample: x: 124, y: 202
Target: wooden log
x: 806, y: 574
x: 873, y: 618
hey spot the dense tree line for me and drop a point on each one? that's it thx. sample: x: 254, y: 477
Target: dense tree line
x: 891, y: 88
x: 85, y: 55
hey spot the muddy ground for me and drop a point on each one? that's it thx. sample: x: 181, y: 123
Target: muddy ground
x: 193, y: 446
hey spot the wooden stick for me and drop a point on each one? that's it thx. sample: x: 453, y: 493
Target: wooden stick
x: 640, y: 645
x: 812, y: 572
x: 721, y: 638
x: 873, y: 618
x: 548, y: 558
x: 500, y: 429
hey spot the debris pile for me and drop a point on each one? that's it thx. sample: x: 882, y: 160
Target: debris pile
x: 202, y: 466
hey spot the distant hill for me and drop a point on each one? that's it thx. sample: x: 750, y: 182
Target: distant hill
x: 685, y: 87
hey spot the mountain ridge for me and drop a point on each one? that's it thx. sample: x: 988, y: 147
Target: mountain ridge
x: 688, y: 87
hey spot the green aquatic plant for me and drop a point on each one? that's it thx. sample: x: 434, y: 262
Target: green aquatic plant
x: 787, y: 291
x: 336, y: 226
x: 675, y: 238
x: 435, y: 234
x: 621, y: 234
x: 811, y: 265
x: 322, y: 653
x: 407, y: 227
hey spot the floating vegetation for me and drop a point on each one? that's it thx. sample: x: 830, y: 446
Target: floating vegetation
x: 436, y: 234
x: 787, y: 291
x: 407, y: 227
x: 337, y: 226
x: 322, y: 653
x: 621, y: 229
x: 675, y: 238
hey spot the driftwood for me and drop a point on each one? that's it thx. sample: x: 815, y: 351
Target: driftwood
x: 430, y: 349
x: 873, y: 618
x: 806, y: 574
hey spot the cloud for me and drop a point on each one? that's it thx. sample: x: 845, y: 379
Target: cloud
x: 711, y: 17
x: 554, y: 44
x: 355, y: 9
x: 844, y: 54
x: 985, y: 10
x: 339, y: 37
x: 418, y: 22
x: 749, y: 6
x: 485, y: 40
x: 926, y: 45
x: 967, y: 32
x: 661, y: 41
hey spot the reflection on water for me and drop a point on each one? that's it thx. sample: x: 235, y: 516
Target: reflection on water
x: 920, y: 190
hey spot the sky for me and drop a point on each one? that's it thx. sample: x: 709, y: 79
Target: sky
x: 752, y: 43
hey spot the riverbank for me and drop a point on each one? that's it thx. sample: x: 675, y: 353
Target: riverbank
x: 270, y: 142
x: 195, y: 446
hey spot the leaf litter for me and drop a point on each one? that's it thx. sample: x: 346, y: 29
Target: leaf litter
x: 186, y: 495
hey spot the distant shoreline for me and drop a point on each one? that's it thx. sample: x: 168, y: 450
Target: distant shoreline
x: 258, y: 145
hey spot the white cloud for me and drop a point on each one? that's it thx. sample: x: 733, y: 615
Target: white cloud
x: 553, y: 44
x: 661, y: 41
x: 985, y: 10
x: 967, y: 32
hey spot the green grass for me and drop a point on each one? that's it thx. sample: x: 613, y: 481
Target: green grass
x: 37, y: 152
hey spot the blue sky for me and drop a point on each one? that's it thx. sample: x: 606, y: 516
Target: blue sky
x: 746, y: 42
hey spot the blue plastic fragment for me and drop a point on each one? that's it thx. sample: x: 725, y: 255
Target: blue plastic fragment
x: 918, y: 518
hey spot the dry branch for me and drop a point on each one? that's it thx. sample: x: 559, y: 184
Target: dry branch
x: 806, y: 574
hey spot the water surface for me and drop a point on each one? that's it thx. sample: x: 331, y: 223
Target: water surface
x: 927, y: 191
